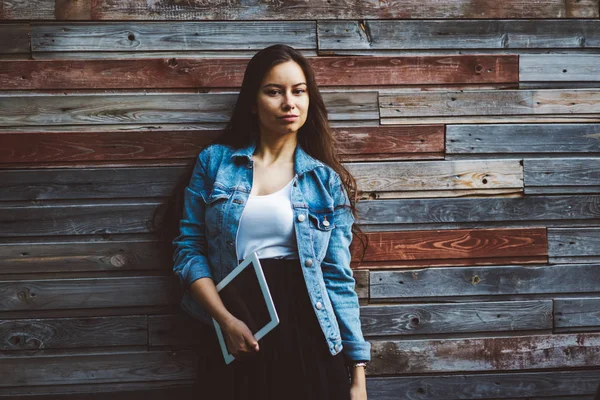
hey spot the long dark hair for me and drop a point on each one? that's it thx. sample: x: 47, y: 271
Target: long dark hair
x: 315, y: 136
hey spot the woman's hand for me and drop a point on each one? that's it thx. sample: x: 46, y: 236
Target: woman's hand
x: 238, y: 337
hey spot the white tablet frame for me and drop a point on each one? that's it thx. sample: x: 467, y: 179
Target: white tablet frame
x: 251, y: 261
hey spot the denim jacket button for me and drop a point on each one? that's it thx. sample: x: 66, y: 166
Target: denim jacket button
x: 308, y: 262
x: 319, y: 305
x: 301, y: 217
x: 337, y: 347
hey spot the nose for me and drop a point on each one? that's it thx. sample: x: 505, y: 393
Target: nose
x: 288, y: 101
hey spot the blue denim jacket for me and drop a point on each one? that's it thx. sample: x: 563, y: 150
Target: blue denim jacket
x: 213, y: 203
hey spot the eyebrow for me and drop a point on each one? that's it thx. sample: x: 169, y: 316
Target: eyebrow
x: 280, y: 86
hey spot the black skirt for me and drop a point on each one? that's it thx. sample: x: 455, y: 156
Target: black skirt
x: 293, y: 361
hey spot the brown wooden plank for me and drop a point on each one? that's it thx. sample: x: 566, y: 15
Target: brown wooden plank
x: 513, y: 385
x: 136, y: 38
x: 430, y: 284
x: 452, y: 248
x: 525, y: 139
x: 77, y: 218
x: 398, y: 36
x: 155, y: 108
x: 455, y: 318
x: 56, y: 294
x: 14, y: 38
x: 71, y: 333
x: 485, y: 354
x: 73, y: 10
x: 97, y: 368
x: 319, y: 9
x: 47, y: 255
x: 157, y: 143
x: 229, y: 72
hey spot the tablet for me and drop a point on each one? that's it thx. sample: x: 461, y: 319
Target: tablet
x: 245, y: 294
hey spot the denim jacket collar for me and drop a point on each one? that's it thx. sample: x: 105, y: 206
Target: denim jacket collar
x: 303, y: 162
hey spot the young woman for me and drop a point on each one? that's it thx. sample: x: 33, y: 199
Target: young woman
x: 273, y: 184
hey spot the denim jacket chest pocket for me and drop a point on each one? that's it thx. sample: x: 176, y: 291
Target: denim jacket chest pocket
x: 321, y: 224
x: 216, y: 200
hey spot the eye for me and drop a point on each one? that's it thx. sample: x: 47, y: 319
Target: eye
x: 272, y: 92
x: 300, y: 90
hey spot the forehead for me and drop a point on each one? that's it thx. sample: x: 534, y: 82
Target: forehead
x: 287, y: 73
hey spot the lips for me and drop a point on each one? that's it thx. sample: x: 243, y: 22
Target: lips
x: 291, y: 116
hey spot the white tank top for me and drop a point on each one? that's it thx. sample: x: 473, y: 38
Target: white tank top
x: 267, y: 226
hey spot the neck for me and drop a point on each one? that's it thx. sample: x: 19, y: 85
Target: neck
x: 272, y: 150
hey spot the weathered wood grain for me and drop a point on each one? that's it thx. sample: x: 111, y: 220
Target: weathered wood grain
x: 47, y: 255
x: 80, y: 218
x: 320, y: 9
x: 73, y: 10
x: 452, y: 248
x: 573, y: 245
x: 556, y: 68
x: 33, y: 9
x: 490, y: 102
x: 512, y: 139
x: 36, y: 145
x: 429, y: 283
x: 58, y: 294
x: 155, y: 108
x: 14, y: 38
x: 424, y: 178
x: 407, y: 213
x: 229, y: 72
x: 514, y: 385
x: 497, y: 119
x: 577, y: 313
x: 159, y: 390
x: 430, y: 319
x: 562, y: 175
x: 362, y: 284
x: 485, y: 354
x: 97, y: 368
x: 172, y: 36
x: 71, y: 333
x: 91, y: 183
x: 76, y: 144
x: 388, y: 35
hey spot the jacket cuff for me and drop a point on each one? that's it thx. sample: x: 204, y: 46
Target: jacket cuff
x: 194, y: 271
x: 356, y: 350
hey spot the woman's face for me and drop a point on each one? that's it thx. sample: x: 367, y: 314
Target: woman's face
x: 283, y: 92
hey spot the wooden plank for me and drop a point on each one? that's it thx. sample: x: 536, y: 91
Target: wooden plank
x: 76, y: 144
x: 554, y: 68
x: 82, y: 293
x: 155, y: 108
x: 497, y: 119
x: 229, y: 72
x: 91, y: 183
x: 80, y: 218
x: 387, y: 142
x: 523, y: 139
x: 159, y: 390
x: 362, y: 283
x: 577, y: 313
x: 424, y: 178
x: 47, y: 255
x: 388, y: 35
x: 171, y: 36
x: 456, y: 318
x: 318, y: 9
x: 452, y: 248
x: 490, y: 102
x: 31, y: 9
x: 97, y: 368
x: 562, y: 175
x: 40, y: 146
x: 573, y: 245
x: 485, y: 354
x: 512, y: 385
x: 438, y: 283
x: 547, y: 209
x: 73, y: 10
x: 71, y: 333
x: 14, y: 38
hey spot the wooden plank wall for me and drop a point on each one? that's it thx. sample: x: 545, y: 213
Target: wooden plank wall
x: 472, y: 127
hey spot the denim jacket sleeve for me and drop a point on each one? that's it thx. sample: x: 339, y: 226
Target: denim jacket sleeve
x: 339, y: 278
x: 190, y: 254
